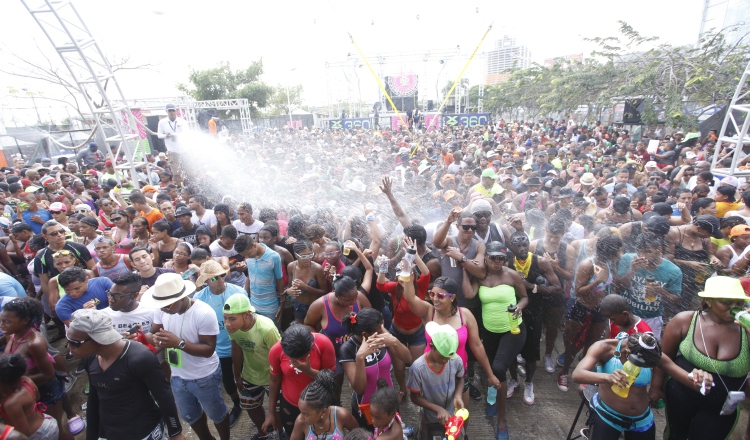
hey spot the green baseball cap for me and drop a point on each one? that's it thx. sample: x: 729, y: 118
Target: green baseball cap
x: 489, y: 172
x: 238, y: 303
x: 444, y: 338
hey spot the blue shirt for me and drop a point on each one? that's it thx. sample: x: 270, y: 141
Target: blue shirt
x: 667, y: 275
x: 223, y: 343
x: 611, y: 187
x: 10, y: 287
x: 96, y: 288
x: 262, y: 274
x: 36, y: 227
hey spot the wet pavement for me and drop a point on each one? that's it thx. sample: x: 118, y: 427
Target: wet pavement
x: 550, y: 417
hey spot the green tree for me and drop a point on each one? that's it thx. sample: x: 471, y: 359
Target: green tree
x: 224, y: 83
x: 278, y: 103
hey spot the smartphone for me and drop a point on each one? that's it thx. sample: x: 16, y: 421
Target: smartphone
x: 133, y: 329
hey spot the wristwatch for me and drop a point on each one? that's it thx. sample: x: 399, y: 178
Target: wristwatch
x: 181, y: 345
x: 464, y: 259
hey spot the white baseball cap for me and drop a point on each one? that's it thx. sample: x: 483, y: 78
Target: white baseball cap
x: 651, y: 164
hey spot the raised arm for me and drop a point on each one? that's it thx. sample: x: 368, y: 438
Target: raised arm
x: 397, y: 210
x: 441, y: 235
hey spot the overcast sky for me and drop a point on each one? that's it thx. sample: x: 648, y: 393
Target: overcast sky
x: 175, y: 36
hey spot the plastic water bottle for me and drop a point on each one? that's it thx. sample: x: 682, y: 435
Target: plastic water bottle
x: 410, y: 256
x: 742, y: 316
x: 514, y: 328
x: 491, y: 395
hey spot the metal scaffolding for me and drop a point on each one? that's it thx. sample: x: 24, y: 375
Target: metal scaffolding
x: 740, y: 106
x: 91, y: 71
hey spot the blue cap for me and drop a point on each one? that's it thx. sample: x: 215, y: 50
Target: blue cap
x: 93, y: 144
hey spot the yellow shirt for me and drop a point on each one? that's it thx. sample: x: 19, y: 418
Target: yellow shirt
x: 723, y: 207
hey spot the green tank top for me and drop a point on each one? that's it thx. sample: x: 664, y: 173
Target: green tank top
x: 59, y: 287
x: 737, y: 367
x: 495, y: 302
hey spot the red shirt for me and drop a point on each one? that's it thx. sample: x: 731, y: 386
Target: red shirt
x: 639, y: 327
x: 293, y: 381
x: 402, y: 314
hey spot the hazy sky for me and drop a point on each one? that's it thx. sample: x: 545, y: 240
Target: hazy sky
x: 303, y: 35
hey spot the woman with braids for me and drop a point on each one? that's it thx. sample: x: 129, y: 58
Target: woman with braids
x: 711, y: 340
x: 162, y: 243
x: 20, y: 321
x: 19, y: 406
x: 319, y: 418
x: 384, y: 412
x: 366, y: 359
x: 295, y: 361
x: 632, y: 415
x: 441, y: 306
x: 327, y: 315
x: 306, y: 279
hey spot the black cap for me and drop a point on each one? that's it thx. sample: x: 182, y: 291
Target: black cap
x: 657, y: 224
x: 532, y: 181
x: 496, y: 248
x: 182, y: 210
x: 110, y: 183
x: 662, y: 208
x: 710, y: 224
x: 565, y: 192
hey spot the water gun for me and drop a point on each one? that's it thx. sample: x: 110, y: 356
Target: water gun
x: 455, y: 424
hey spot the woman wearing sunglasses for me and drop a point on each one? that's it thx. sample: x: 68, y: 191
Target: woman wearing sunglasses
x: 20, y: 321
x: 441, y: 306
x: 122, y: 234
x: 500, y: 288
x: 303, y: 292
x: 106, y: 207
x: 181, y: 261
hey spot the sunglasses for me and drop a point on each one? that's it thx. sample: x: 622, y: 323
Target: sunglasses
x: 72, y: 343
x: 57, y: 212
x: 441, y: 295
x: 39, y: 191
x: 469, y: 227
x: 81, y: 211
x: 485, y: 214
x: 115, y: 219
x: 116, y: 296
x: 520, y: 240
x: 216, y: 278
x: 56, y: 233
x: 305, y: 256
x: 496, y: 257
x: 62, y: 253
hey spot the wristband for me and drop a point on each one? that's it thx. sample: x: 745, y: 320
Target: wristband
x: 371, y: 218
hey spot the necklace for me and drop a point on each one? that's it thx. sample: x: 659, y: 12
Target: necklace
x: 378, y: 432
x: 211, y: 298
x: 173, y: 127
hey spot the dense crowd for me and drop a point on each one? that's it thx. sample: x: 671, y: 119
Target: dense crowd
x: 285, y: 262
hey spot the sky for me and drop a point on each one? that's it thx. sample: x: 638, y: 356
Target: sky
x: 295, y: 39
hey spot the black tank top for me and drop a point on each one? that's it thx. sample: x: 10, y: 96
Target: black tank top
x: 561, y: 255
x: 535, y: 299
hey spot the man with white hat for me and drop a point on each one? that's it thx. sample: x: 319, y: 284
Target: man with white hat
x: 171, y: 129
x: 126, y: 383
x: 187, y: 329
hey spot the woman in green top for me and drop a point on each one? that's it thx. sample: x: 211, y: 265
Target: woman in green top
x: 500, y: 288
x: 710, y: 340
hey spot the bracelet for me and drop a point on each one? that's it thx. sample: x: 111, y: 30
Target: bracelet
x: 371, y: 218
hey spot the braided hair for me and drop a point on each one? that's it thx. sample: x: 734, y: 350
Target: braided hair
x: 647, y: 347
x: 302, y: 245
x: 358, y: 434
x: 322, y: 392
x: 28, y: 309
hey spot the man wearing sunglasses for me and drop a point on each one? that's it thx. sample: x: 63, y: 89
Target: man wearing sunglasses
x: 126, y: 383
x: 541, y: 282
x: 124, y: 309
x: 487, y: 231
x: 215, y: 294
x: 54, y: 233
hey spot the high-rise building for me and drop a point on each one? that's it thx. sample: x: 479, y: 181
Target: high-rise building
x: 720, y: 14
x: 507, y: 54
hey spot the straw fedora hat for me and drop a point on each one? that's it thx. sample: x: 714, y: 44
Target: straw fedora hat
x: 168, y: 289
x: 210, y: 269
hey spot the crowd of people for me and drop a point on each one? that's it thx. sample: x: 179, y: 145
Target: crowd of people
x: 437, y: 260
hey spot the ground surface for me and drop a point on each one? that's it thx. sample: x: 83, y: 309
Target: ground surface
x: 549, y: 418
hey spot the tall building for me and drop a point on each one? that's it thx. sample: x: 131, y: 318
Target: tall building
x: 506, y: 55
x: 719, y: 14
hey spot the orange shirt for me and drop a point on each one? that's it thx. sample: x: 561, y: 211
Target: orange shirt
x: 154, y: 216
x: 448, y: 158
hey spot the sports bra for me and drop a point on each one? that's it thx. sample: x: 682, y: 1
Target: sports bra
x: 737, y: 367
x: 336, y: 435
x: 644, y: 377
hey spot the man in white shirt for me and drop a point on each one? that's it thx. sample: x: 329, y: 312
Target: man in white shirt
x: 124, y: 308
x: 201, y: 215
x: 700, y: 167
x: 170, y: 129
x: 187, y: 329
x: 246, y: 224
